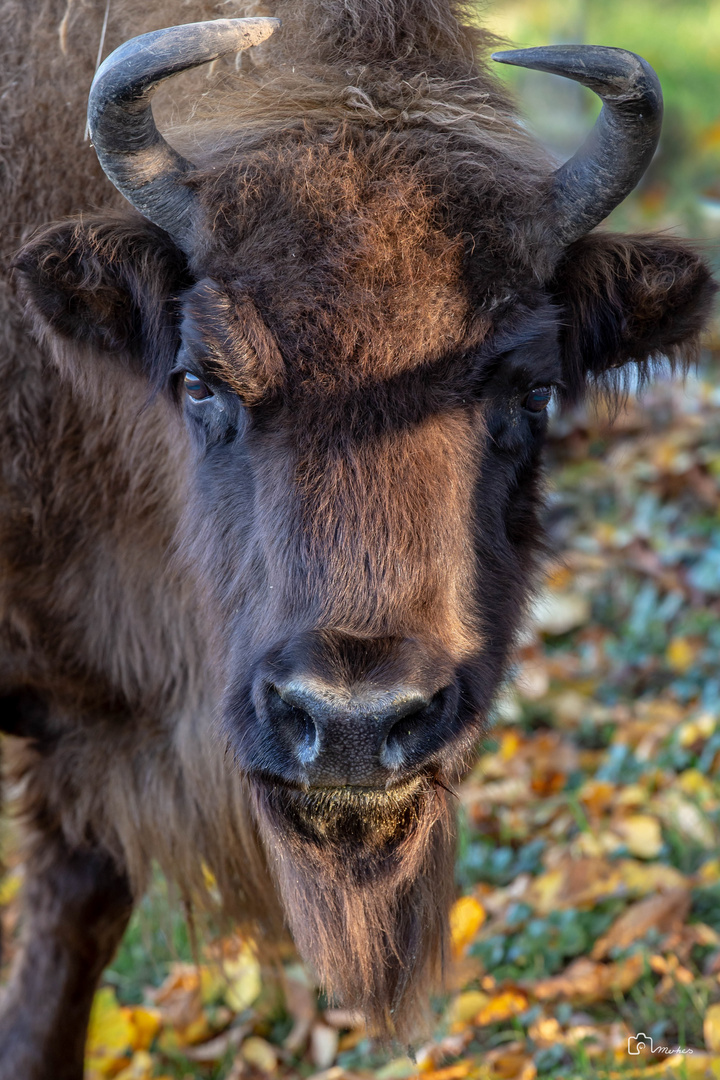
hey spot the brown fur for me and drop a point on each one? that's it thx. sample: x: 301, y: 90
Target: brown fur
x: 371, y: 295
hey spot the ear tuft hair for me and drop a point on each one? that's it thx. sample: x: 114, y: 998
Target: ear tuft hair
x: 109, y: 282
x: 629, y: 299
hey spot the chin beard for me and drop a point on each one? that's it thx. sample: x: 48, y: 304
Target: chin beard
x: 366, y: 880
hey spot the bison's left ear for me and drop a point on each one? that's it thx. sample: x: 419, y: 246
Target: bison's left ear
x: 110, y: 283
x: 629, y: 298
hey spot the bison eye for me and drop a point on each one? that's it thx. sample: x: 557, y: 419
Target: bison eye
x: 196, y: 388
x: 538, y: 399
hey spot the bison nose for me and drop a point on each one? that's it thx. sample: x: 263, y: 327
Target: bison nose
x: 368, y: 738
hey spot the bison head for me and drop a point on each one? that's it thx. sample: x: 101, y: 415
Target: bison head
x: 360, y: 310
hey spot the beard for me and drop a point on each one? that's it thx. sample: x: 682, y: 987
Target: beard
x: 366, y: 880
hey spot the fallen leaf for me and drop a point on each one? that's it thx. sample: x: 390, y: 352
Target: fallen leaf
x: 260, y: 1054
x: 502, y: 1007
x: 510, y: 1063
x: 179, y: 998
x: 597, y: 797
x: 681, y: 654
x: 688, y: 819
x: 697, y: 730
x: 693, y: 783
x: 10, y: 885
x: 711, y: 1028
x: 215, y: 1050
x: 146, y: 1024
x: 642, y: 878
x: 397, y: 1069
x: 466, y: 918
x: 546, y: 1031
x: 587, y: 980
x: 301, y: 1003
x: 709, y: 872
x: 555, y: 614
x: 199, y: 1030
x: 323, y: 1045
x: 140, y: 1068
x: 110, y: 1034
x: 344, y: 1019
x: 244, y: 979
x: 465, y: 1008
x: 661, y: 913
x: 574, y: 883
x: 642, y: 835
x: 451, y: 1072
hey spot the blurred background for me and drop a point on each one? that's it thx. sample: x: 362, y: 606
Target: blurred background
x: 589, y: 863
x: 682, y: 42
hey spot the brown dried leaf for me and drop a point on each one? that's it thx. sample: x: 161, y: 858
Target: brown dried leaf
x: 209, y: 1053
x: 662, y: 913
x: 587, y: 980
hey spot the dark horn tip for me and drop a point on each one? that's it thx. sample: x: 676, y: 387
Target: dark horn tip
x: 620, y: 147
x: 609, y: 71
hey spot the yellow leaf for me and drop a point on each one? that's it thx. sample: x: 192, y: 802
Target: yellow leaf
x: 466, y: 918
x: 545, y: 891
x: 546, y: 1031
x: 459, y: 1071
x: 693, y: 783
x: 711, y: 1028
x: 10, y: 886
x: 197, y: 1031
x: 245, y: 979
x: 509, y: 745
x: 642, y: 835
x: 597, y: 796
x: 259, y: 1053
x: 632, y: 795
x: 110, y: 1034
x: 709, y: 872
x: 513, y: 1066
x: 208, y: 877
x: 168, y: 1042
x: 681, y: 654
x: 696, y: 730
x: 146, y: 1024
x: 574, y: 883
x: 140, y: 1068
x: 502, y: 1007
x: 643, y: 878
x: 465, y: 1008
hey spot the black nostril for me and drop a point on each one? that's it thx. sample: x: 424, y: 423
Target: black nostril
x: 336, y: 738
x: 297, y: 724
x: 414, y: 735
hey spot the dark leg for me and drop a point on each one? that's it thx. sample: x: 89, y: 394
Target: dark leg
x: 77, y: 906
x: 24, y: 712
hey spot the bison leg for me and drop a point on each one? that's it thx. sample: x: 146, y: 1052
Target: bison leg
x: 23, y: 713
x: 77, y: 906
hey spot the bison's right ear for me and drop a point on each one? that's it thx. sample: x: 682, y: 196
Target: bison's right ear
x: 110, y: 283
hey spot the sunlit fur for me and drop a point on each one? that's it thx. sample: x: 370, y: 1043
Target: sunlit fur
x: 372, y: 291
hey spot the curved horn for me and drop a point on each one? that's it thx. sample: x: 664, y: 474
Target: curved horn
x: 619, y: 148
x: 132, y: 152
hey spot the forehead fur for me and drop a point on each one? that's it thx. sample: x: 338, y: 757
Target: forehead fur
x: 352, y: 249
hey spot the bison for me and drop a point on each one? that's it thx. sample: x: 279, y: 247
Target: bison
x: 271, y: 461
